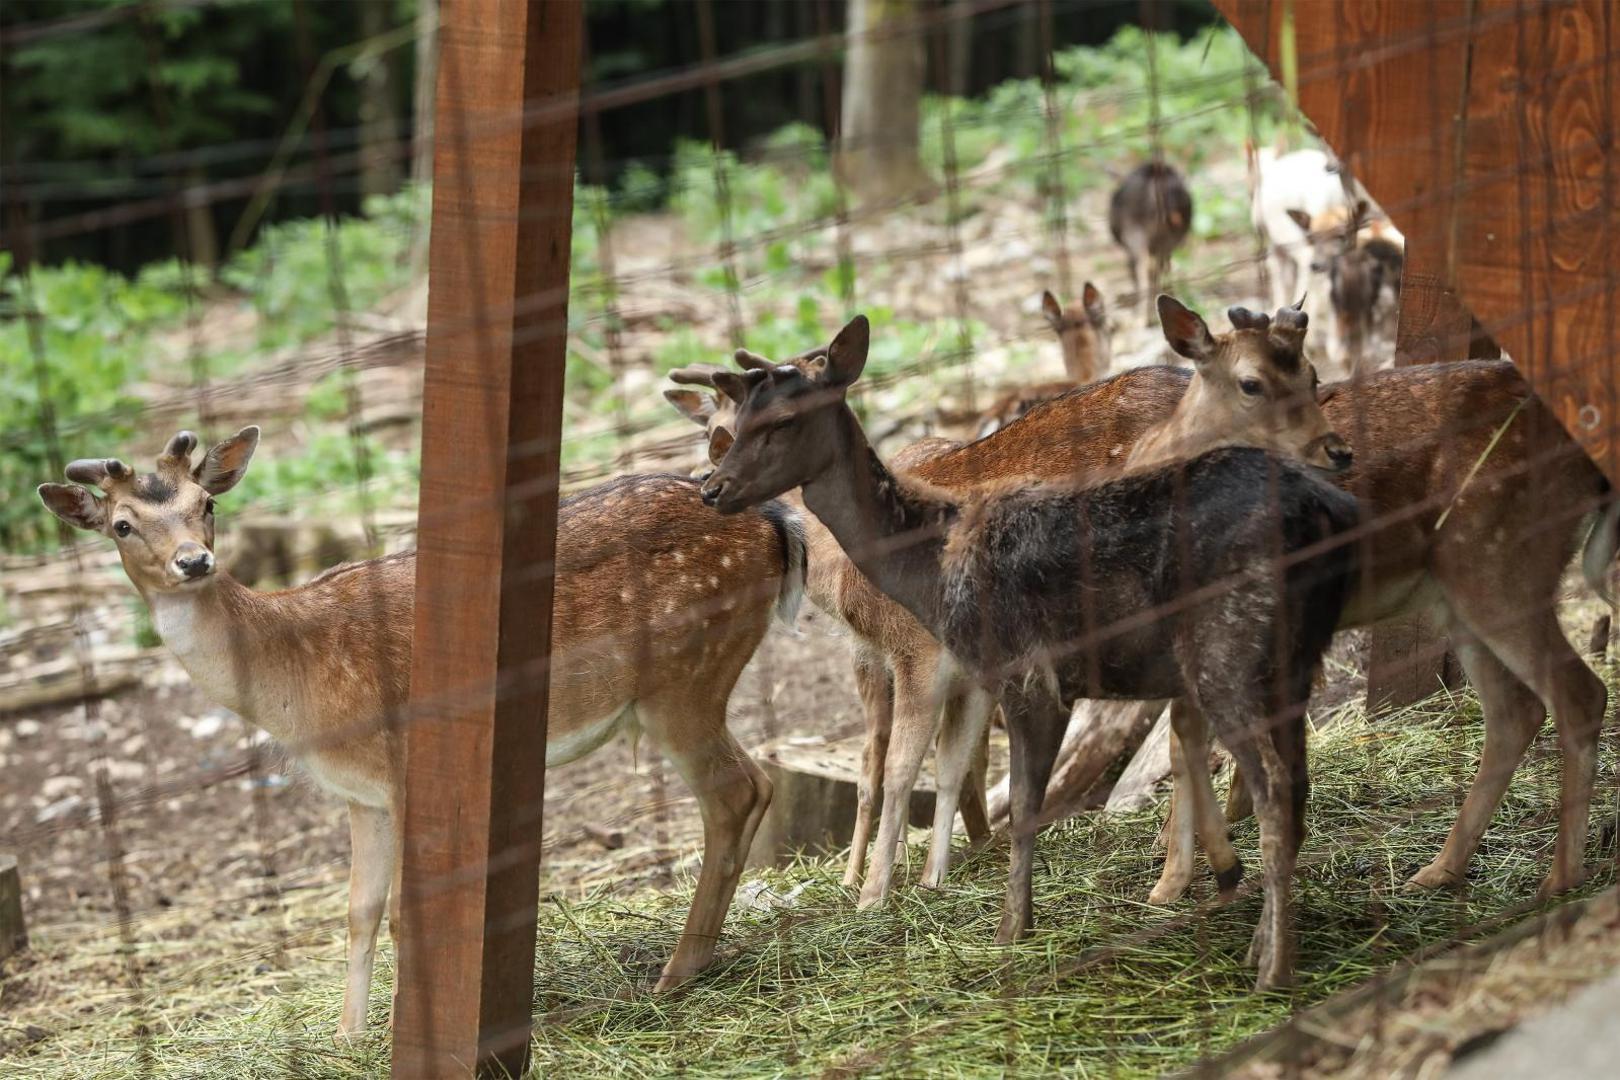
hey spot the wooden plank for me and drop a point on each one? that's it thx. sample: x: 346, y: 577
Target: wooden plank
x: 1504, y: 111
x: 13, y: 932
x: 491, y: 428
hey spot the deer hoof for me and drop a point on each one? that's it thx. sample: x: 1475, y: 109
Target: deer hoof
x: 1226, y: 881
x: 1431, y: 877
x: 1556, y: 884
x: 1167, y: 892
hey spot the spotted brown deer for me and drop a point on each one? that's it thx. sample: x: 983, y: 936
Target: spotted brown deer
x: 1087, y: 352
x: 1154, y: 584
x: 659, y: 603
x: 1249, y: 389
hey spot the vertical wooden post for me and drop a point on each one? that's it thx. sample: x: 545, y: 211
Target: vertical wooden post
x: 491, y: 426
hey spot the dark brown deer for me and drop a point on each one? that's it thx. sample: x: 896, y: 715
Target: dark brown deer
x: 1157, y: 584
x: 659, y: 604
x: 1149, y: 215
x: 1476, y: 500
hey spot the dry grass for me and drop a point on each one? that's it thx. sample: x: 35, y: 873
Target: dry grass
x: 1108, y: 986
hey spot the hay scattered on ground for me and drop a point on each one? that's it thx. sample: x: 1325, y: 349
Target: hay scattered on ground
x: 1107, y: 986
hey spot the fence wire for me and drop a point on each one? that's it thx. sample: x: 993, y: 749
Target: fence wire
x: 953, y: 334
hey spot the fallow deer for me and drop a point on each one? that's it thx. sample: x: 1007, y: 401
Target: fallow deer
x: 1221, y: 577
x: 1476, y: 500
x: 1308, y: 181
x: 1360, y: 259
x: 1249, y: 389
x: 1087, y: 352
x: 659, y: 603
x: 1149, y: 215
x: 897, y: 669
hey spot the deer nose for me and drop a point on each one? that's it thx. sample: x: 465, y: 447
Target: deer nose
x: 1338, y: 452
x: 194, y: 562
x: 710, y: 492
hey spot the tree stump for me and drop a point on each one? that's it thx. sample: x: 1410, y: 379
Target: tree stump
x: 813, y: 805
x: 13, y: 935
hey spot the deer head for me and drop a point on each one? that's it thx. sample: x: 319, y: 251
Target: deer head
x: 716, y: 413
x: 163, y: 521
x: 787, y: 423
x: 1087, y: 348
x: 1254, y: 386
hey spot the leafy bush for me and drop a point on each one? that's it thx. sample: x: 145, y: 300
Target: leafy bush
x: 91, y: 347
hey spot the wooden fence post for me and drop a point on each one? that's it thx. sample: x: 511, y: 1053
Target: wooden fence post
x: 491, y: 428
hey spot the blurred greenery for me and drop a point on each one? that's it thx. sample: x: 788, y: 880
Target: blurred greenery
x: 101, y: 334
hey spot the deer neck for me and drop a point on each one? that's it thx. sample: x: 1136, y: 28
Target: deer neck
x: 1186, y: 432
x: 893, y: 530
x: 217, y: 631
x: 1080, y: 359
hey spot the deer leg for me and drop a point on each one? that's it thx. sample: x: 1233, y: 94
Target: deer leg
x: 966, y: 718
x: 1527, y: 640
x: 915, y: 716
x: 1157, y: 266
x: 1035, y: 723
x: 975, y: 808
x: 1178, y: 831
x: 1194, y: 809
x: 733, y: 794
x: 371, y: 871
x: 876, y: 687
x: 1513, y: 715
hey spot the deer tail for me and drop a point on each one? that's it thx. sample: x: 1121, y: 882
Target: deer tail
x: 1602, y: 544
x: 795, y: 559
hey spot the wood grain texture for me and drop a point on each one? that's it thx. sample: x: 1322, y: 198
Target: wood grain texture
x: 1486, y: 130
x: 491, y: 431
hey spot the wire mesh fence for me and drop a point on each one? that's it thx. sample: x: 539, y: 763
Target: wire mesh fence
x: 1189, y: 516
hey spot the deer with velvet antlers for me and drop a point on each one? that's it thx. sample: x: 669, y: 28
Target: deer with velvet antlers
x: 659, y: 604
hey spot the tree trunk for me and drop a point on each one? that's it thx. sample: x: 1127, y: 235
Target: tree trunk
x: 202, y: 241
x: 878, y: 158
x: 379, y: 120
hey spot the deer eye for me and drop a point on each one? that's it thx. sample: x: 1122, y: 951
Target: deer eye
x: 208, y: 507
x: 1252, y: 387
x: 123, y: 528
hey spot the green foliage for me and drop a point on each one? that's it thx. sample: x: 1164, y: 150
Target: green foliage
x: 98, y: 336
x: 301, y: 275
x: 91, y: 328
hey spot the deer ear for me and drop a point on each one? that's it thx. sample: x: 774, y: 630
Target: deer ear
x: 1052, y: 310
x: 223, y: 467
x: 1300, y: 218
x: 695, y: 405
x: 1096, y: 310
x: 720, y: 440
x: 846, y: 356
x: 1185, y: 330
x: 74, y: 505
